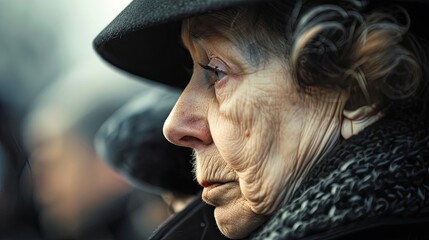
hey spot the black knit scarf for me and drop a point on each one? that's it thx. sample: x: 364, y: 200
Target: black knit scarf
x: 378, y: 175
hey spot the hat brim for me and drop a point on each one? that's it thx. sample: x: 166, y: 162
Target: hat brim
x: 144, y: 39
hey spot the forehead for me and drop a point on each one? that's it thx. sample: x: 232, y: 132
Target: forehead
x: 227, y: 24
x: 218, y: 41
x: 253, y: 38
x: 206, y: 43
x: 196, y: 30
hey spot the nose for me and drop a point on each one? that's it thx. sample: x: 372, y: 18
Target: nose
x: 187, y: 124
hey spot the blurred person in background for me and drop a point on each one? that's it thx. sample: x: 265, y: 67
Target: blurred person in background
x: 38, y: 43
x: 79, y: 196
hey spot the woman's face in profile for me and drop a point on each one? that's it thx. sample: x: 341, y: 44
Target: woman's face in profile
x: 252, y: 131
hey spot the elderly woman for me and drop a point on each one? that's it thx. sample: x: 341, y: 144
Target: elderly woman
x: 307, y: 118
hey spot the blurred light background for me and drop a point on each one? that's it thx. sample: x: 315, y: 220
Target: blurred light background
x: 40, y: 39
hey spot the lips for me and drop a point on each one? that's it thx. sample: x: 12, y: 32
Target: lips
x: 211, y: 184
x: 216, y: 193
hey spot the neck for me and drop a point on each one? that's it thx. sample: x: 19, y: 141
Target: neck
x: 320, y: 135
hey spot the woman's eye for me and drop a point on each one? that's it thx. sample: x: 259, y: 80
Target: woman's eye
x: 219, y: 74
x: 216, y: 68
x: 215, y: 71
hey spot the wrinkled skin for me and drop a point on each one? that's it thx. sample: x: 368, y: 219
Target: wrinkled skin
x: 254, y: 134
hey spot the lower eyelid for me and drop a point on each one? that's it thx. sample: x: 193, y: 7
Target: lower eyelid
x: 221, y: 82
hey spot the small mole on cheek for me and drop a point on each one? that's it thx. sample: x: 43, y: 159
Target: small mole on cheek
x: 247, y: 133
x: 293, y: 103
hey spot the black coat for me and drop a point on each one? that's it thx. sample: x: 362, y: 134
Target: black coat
x: 196, y: 221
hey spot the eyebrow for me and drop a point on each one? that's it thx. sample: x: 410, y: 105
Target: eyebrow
x: 190, y: 37
x: 195, y: 34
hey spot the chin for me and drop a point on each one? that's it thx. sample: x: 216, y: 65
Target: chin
x: 236, y: 221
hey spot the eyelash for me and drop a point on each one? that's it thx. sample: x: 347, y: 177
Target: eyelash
x: 215, y: 71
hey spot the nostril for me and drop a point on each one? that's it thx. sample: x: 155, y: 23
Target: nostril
x: 187, y: 129
x: 189, y: 140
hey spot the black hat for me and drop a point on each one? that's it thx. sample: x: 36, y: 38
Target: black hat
x: 131, y: 141
x: 144, y: 39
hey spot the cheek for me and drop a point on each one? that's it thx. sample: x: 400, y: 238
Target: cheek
x: 244, y: 125
x: 233, y: 128
x: 246, y: 141
x: 246, y: 129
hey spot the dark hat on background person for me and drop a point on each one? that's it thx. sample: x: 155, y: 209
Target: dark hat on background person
x: 131, y: 141
x: 144, y: 39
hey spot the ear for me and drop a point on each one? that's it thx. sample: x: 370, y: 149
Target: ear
x: 356, y: 120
